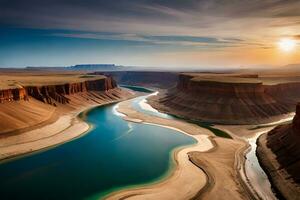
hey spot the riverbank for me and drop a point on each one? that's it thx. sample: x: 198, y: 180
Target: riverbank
x: 66, y: 127
x: 193, y: 178
x: 250, y: 175
x: 246, y: 177
x: 254, y: 174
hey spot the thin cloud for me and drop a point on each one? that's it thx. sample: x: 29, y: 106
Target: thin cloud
x: 234, y: 28
x: 192, y: 41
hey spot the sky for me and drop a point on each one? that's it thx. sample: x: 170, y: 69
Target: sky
x: 152, y: 33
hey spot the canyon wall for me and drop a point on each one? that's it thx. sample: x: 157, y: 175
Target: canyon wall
x: 284, y: 141
x: 279, y: 154
x: 28, y: 107
x: 14, y: 94
x: 285, y: 92
x: 296, y: 121
x: 56, y: 93
x: 229, y: 100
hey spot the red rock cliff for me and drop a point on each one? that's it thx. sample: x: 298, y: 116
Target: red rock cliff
x: 56, y: 93
x: 13, y: 94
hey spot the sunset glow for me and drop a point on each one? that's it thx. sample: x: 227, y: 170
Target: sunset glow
x: 287, y: 44
x: 201, y: 34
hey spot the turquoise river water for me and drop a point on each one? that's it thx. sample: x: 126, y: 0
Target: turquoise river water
x: 115, y: 154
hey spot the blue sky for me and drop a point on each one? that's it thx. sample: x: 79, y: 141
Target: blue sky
x: 171, y: 33
x: 34, y: 47
x: 40, y: 47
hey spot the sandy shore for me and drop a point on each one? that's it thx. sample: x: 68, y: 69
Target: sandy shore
x: 187, y: 177
x: 213, y: 162
x: 67, y: 127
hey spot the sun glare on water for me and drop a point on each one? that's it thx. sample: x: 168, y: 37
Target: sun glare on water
x: 287, y: 44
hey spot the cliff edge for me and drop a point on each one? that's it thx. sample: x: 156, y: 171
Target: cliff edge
x: 35, y: 100
x: 279, y: 154
x: 228, y: 99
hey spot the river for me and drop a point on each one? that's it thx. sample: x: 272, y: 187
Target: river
x: 115, y: 154
x: 258, y: 179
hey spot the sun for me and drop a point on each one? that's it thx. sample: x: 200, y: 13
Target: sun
x: 286, y: 44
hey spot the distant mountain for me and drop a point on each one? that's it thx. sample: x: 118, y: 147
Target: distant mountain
x: 92, y: 67
x: 45, y: 68
x: 272, y: 69
x: 80, y: 67
x: 294, y: 67
x: 286, y: 69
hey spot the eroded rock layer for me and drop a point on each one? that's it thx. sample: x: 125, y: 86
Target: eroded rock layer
x: 28, y: 107
x: 279, y: 153
x: 13, y: 94
x: 229, y: 100
x: 55, y: 93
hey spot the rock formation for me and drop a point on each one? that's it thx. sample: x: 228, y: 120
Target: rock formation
x: 279, y: 153
x: 285, y: 92
x: 296, y: 121
x: 14, y: 94
x: 229, y: 100
x: 56, y: 93
x: 35, y: 103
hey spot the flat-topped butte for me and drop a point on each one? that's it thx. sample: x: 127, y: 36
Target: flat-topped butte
x: 242, y: 78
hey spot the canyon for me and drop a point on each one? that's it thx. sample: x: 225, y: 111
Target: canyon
x: 31, y: 101
x: 154, y: 79
x: 230, y: 98
x: 279, y: 153
x: 41, y: 109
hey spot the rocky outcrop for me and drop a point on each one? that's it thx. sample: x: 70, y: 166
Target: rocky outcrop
x: 284, y: 142
x: 279, y: 153
x: 296, y: 121
x: 229, y: 100
x: 56, y: 93
x: 14, y: 94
